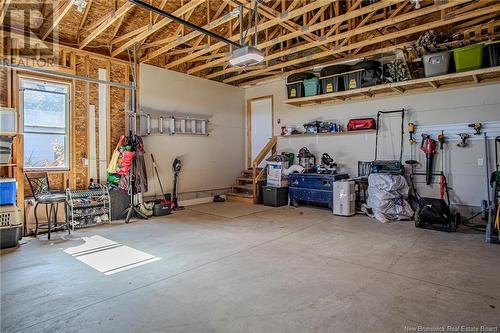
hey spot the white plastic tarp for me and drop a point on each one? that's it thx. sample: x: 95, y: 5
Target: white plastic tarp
x: 387, y: 197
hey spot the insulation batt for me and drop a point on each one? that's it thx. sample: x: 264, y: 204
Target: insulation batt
x: 387, y: 197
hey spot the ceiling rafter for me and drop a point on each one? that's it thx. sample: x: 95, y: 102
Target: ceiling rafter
x: 169, y: 39
x: 184, y: 39
x: 157, y: 26
x: 4, y: 10
x: 261, y: 27
x: 83, y: 20
x: 365, y: 54
x: 56, y: 16
x: 122, y: 38
x: 162, y: 5
x: 337, y: 21
x: 271, y: 13
x: 290, y: 25
x: 107, y: 21
x: 326, y: 23
x: 412, y: 30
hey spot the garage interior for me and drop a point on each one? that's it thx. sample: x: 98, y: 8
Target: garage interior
x: 250, y: 166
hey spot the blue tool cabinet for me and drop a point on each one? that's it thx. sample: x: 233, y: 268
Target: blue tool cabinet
x: 312, y: 188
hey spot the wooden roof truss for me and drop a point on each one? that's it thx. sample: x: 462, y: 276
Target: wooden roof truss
x: 293, y: 34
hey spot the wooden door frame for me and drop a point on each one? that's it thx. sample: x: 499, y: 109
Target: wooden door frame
x: 248, y: 159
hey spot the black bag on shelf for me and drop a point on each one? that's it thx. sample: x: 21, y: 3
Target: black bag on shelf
x: 372, y: 74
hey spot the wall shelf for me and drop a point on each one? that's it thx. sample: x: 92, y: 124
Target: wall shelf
x: 327, y: 134
x: 478, y: 77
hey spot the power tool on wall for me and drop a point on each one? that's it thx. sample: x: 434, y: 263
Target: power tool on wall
x: 428, y: 146
x: 477, y: 127
x: 176, y: 168
x: 463, y: 138
x: 411, y: 130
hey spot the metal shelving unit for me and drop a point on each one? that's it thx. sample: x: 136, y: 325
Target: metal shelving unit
x: 87, y: 208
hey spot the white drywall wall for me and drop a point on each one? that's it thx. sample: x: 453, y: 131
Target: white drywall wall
x: 208, y: 162
x: 475, y: 104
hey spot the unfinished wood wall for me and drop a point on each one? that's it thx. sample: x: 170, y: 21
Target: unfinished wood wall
x: 83, y: 95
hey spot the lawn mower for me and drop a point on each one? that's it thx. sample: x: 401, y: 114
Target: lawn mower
x: 432, y: 213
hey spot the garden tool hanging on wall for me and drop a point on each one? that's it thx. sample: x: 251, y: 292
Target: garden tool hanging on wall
x: 441, y: 139
x: 428, y: 146
x: 411, y: 130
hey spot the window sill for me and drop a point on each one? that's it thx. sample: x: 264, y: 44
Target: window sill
x: 46, y: 170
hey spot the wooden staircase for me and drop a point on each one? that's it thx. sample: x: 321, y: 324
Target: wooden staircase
x: 245, y: 188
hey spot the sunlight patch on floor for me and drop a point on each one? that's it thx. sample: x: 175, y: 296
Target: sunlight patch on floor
x: 109, y: 257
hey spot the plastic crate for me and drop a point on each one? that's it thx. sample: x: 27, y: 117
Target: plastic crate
x: 311, y: 87
x: 352, y: 80
x: 8, y: 188
x: 9, y: 216
x: 295, y: 89
x: 331, y: 80
x: 468, y: 58
x: 295, y: 84
x: 436, y: 63
x: 331, y: 84
x: 10, y: 236
x: 493, y: 53
x: 275, y: 196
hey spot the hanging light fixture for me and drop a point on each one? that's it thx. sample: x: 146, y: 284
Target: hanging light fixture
x: 247, y: 55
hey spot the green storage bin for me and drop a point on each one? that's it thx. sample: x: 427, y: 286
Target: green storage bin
x: 311, y: 87
x: 468, y: 58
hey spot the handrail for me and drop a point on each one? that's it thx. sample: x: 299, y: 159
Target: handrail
x: 269, y: 147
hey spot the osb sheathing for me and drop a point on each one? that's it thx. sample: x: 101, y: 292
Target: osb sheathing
x: 83, y: 95
x: 3, y: 90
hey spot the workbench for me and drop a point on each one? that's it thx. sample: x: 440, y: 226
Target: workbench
x: 313, y: 188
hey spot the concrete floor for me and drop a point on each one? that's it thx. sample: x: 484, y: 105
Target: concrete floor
x: 227, y: 267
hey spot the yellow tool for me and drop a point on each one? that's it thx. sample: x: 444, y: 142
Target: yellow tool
x: 411, y: 130
x: 477, y: 127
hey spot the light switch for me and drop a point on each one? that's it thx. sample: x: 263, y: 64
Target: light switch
x: 480, y: 162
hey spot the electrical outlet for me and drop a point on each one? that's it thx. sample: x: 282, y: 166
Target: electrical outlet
x: 480, y: 162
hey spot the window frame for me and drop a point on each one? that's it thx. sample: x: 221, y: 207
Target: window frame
x: 67, y: 132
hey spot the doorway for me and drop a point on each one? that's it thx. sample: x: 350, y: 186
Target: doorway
x: 260, y: 118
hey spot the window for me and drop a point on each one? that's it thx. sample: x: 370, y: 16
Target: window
x: 45, y: 108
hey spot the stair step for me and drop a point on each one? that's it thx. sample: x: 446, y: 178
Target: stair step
x: 243, y: 187
x: 250, y: 171
x: 245, y: 179
x: 240, y: 197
